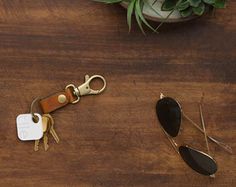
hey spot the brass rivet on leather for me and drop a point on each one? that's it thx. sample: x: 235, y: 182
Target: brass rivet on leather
x: 61, y: 98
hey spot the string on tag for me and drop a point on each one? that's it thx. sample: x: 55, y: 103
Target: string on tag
x: 34, y: 117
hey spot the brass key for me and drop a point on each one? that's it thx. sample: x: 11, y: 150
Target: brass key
x: 54, y: 134
x: 48, y: 127
x: 45, y: 124
x: 46, y: 130
x: 45, y: 141
x: 36, y: 145
x: 52, y: 130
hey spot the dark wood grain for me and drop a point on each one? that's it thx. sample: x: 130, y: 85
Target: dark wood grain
x: 114, y: 139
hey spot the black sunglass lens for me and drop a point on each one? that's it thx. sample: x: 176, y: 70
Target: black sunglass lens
x: 169, y: 115
x: 198, y: 161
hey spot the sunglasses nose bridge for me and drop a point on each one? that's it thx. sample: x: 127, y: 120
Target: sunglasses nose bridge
x: 161, y: 96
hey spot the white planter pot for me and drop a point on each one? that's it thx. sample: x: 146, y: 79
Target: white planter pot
x: 151, y: 14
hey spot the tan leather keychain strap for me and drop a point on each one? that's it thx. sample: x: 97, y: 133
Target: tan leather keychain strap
x: 71, y: 94
x: 56, y: 101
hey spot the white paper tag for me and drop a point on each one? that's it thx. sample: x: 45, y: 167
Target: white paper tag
x: 27, y: 129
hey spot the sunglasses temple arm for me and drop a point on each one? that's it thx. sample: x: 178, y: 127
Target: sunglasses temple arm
x: 173, y: 143
x: 221, y: 144
x: 204, y: 127
x: 205, y: 134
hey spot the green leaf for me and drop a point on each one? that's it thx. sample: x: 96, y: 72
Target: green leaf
x: 169, y: 5
x: 219, y: 3
x: 209, y: 2
x: 139, y: 10
x: 184, y: 4
x: 187, y: 12
x: 199, y: 10
x: 194, y: 3
x: 139, y: 22
x: 130, y: 10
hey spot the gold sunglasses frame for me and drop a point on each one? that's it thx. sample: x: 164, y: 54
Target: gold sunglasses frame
x: 202, y: 130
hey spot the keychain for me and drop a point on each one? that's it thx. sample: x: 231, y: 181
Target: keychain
x: 36, y: 127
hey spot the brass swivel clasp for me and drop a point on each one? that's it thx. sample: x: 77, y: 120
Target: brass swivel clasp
x: 85, y: 89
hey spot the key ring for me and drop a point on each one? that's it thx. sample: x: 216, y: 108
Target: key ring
x: 85, y: 89
x: 35, y: 117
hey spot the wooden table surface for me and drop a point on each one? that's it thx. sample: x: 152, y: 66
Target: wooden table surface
x: 114, y: 139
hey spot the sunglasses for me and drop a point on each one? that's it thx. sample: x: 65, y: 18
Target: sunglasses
x: 170, y: 115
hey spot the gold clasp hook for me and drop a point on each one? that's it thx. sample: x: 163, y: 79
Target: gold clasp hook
x: 85, y: 89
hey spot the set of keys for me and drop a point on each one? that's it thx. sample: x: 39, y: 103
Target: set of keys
x: 36, y: 127
x: 48, y: 129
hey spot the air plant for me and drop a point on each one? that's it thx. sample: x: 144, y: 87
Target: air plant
x: 186, y: 8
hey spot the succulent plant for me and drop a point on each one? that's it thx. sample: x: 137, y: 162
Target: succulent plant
x: 191, y: 7
x: 186, y: 8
